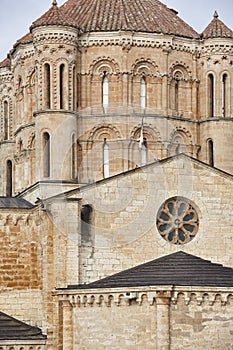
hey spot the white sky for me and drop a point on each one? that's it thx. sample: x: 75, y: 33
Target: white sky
x: 16, y: 16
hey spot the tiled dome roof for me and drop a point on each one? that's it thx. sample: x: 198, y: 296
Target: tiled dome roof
x: 217, y: 29
x: 114, y: 15
x: 54, y: 16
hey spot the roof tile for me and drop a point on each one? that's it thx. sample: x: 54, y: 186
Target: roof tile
x: 217, y: 29
x: 112, y: 15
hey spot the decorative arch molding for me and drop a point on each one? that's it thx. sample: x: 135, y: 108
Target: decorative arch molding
x: 180, y: 71
x: 182, y: 132
x: 100, y: 132
x: 149, y: 132
x: 8, y: 116
x: 145, y: 67
x: 104, y: 65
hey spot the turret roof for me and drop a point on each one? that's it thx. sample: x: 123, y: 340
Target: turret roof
x: 114, y: 15
x: 217, y: 29
x: 54, y: 16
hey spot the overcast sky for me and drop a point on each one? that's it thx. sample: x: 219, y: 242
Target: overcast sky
x: 16, y: 16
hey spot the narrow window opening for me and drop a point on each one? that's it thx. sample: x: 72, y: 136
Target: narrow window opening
x: 224, y: 81
x: 210, y: 150
x: 176, y: 97
x: 9, y: 178
x: 46, y: 154
x: 106, y: 158
x: 86, y: 220
x: 143, y: 93
x: 47, y: 86
x: 74, y: 88
x: 62, y: 79
x: 6, y: 120
x: 105, y: 88
x: 211, y: 95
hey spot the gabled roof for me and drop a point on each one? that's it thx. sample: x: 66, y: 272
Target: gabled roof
x: 13, y: 329
x: 113, y: 15
x: 217, y: 29
x: 13, y: 202
x: 178, y: 269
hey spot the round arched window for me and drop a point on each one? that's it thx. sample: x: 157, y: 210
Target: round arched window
x: 177, y: 220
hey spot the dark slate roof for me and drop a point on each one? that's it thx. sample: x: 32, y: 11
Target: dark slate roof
x: 150, y: 16
x: 178, y: 269
x: 13, y: 329
x: 217, y: 29
x: 16, y: 203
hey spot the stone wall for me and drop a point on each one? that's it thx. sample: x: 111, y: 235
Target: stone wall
x: 151, y: 318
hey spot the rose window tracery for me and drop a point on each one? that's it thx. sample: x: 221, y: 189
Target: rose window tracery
x: 177, y: 220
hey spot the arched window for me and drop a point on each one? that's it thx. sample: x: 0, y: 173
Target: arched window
x: 210, y: 95
x: 86, y: 220
x: 6, y: 120
x: 143, y: 93
x: 46, y: 154
x: 105, y: 92
x: 74, y: 88
x: 176, y: 96
x: 62, y: 81
x: 47, y: 86
x: 9, y: 178
x: 210, y: 152
x: 224, y: 92
x: 106, y: 158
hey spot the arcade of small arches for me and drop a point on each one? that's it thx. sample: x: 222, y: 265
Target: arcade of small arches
x: 106, y: 144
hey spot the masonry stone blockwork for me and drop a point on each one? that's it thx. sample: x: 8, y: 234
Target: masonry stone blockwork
x: 116, y: 151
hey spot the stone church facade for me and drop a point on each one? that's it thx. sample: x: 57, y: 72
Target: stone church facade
x: 116, y: 185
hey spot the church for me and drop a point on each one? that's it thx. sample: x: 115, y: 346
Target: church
x: 116, y: 181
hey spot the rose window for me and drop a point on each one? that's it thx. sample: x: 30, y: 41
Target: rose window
x: 177, y: 220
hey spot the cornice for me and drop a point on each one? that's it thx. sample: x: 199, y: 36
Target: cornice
x: 126, y: 40
x: 54, y: 35
x: 124, y: 296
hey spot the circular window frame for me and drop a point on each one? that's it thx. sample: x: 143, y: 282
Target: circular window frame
x: 177, y: 220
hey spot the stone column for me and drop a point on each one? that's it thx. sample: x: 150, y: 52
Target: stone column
x: 67, y: 326
x: 163, y: 320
